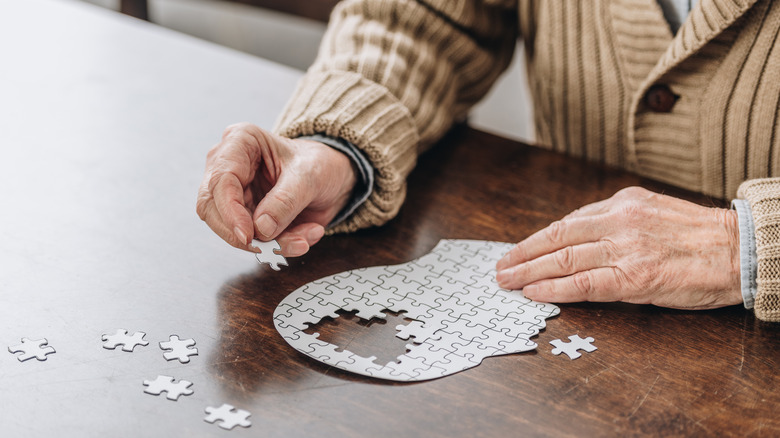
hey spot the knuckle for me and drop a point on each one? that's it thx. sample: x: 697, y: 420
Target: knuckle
x: 564, y: 259
x: 633, y: 192
x: 211, y: 183
x: 634, y: 211
x: 238, y: 127
x: 286, y: 201
x: 583, y: 283
x: 241, y: 135
x: 609, y: 251
x: 201, y: 206
x: 555, y: 231
x: 213, y: 152
x: 574, y: 213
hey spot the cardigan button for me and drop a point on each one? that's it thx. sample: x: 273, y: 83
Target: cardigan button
x: 659, y: 98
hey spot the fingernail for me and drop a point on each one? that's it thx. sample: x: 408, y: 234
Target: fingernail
x: 297, y: 248
x: 315, y: 234
x: 240, y: 235
x: 502, y: 277
x: 266, y: 225
x: 530, y: 291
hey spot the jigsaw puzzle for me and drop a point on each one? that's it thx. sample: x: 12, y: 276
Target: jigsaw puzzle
x: 128, y: 342
x: 460, y: 315
x: 228, y: 416
x: 180, y: 349
x: 570, y: 348
x: 165, y: 384
x: 268, y: 253
x: 29, y: 348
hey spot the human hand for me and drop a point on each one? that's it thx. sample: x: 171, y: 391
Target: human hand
x: 260, y: 184
x: 637, y: 246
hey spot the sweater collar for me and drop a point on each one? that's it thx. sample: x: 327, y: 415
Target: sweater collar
x: 645, y: 61
x: 707, y: 19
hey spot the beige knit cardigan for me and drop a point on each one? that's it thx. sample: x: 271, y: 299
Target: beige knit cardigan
x: 392, y: 76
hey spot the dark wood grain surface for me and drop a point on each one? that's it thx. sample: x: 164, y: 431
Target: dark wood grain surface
x: 101, y: 163
x: 656, y: 372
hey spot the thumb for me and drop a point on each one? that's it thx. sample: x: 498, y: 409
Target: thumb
x: 280, y: 206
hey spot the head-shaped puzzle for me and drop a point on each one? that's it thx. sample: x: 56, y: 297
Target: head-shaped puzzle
x: 460, y: 314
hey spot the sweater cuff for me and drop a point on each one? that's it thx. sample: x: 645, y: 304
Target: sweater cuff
x: 346, y: 105
x: 747, y: 251
x: 365, y: 172
x: 763, y: 196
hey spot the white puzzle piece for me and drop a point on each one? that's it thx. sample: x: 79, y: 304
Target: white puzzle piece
x: 165, y: 384
x: 570, y: 348
x: 128, y: 342
x: 180, y: 349
x: 227, y: 416
x: 460, y: 314
x: 268, y: 253
x: 30, y: 348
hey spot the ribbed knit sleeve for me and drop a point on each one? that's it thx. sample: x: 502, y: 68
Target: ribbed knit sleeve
x: 763, y: 195
x: 392, y: 76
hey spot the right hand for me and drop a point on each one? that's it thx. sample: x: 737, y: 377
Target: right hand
x: 261, y: 184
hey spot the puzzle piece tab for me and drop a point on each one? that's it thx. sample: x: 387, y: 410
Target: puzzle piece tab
x: 228, y: 416
x: 29, y: 348
x: 268, y: 253
x: 570, y: 348
x: 180, y: 349
x: 128, y: 342
x: 165, y: 384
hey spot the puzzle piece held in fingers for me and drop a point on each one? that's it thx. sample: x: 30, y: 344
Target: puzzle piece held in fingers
x: 268, y: 253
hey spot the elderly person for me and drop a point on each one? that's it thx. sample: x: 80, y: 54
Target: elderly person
x: 684, y: 94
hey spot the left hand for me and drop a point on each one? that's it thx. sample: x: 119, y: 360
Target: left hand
x: 638, y: 247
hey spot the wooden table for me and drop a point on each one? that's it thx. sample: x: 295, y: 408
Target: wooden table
x: 105, y: 124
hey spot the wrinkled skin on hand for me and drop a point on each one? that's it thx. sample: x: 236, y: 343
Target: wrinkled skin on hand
x: 638, y: 247
x: 258, y: 184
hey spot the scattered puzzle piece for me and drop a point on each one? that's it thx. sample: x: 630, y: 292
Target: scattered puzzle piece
x: 178, y: 349
x: 165, y: 384
x: 268, y: 253
x: 228, y: 416
x: 127, y: 342
x: 29, y: 348
x: 570, y: 348
x: 460, y: 315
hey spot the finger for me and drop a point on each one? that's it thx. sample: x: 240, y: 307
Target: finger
x: 561, y: 263
x: 209, y: 213
x: 296, y: 241
x: 601, y: 284
x: 228, y: 197
x: 559, y: 234
x: 280, y: 206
